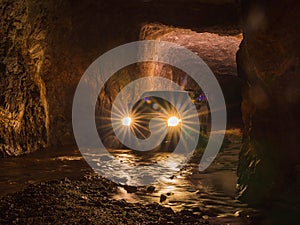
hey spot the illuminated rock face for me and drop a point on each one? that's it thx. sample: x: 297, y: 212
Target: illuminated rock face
x: 268, y: 63
x: 46, y: 46
x: 216, y: 49
x: 24, y: 118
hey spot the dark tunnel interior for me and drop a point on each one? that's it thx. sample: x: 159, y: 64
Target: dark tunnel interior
x: 252, y: 51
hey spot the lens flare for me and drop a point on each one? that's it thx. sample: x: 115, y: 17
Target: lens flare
x: 173, y: 121
x: 126, y: 121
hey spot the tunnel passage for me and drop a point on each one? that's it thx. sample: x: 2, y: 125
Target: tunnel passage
x: 217, y: 50
x: 46, y: 47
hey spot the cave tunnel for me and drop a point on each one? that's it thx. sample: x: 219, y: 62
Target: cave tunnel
x: 252, y: 48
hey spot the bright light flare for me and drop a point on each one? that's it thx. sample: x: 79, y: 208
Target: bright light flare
x: 173, y: 121
x: 126, y: 121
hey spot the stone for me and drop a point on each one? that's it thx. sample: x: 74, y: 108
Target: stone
x: 162, y: 198
x: 150, y: 189
x: 130, y: 189
x: 167, y: 210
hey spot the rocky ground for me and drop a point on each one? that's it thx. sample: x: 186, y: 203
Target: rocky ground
x: 52, y: 188
x: 84, y: 201
x: 60, y: 188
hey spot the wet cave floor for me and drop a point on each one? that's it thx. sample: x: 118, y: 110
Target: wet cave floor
x: 59, y: 187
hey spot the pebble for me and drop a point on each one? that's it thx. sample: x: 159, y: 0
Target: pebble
x: 130, y: 189
x: 172, y: 177
x: 150, y: 189
x: 167, y: 210
x: 162, y: 198
x: 80, y: 197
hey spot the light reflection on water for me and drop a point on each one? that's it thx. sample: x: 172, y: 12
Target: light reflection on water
x: 211, y: 192
x: 134, y: 170
x: 17, y: 173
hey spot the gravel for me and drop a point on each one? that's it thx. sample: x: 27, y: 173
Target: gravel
x: 84, y: 201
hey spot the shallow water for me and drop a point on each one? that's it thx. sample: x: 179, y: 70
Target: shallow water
x: 17, y: 173
x: 211, y: 193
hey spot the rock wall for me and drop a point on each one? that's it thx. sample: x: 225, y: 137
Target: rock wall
x: 268, y: 63
x: 24, y: 115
